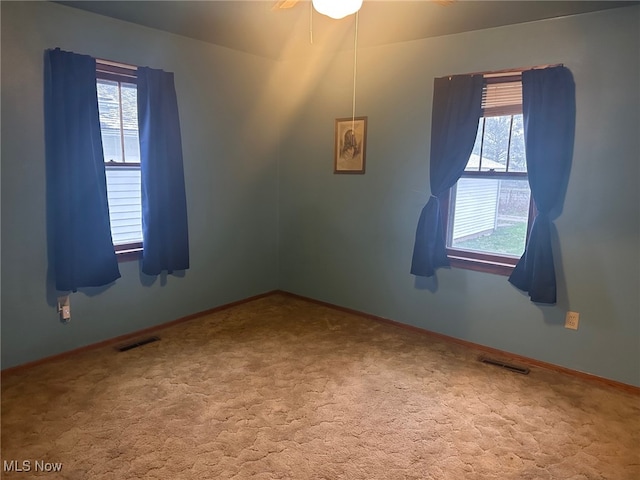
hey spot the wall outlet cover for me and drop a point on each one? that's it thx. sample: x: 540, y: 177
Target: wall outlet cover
x: 571, y: 321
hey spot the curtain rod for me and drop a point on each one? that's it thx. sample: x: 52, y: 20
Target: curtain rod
x: 116, y: 64
x: 508, y: 70
x: 521, y: 69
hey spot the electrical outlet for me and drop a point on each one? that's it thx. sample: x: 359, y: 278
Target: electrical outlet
x: 64, y: 308
x: 571, y: 321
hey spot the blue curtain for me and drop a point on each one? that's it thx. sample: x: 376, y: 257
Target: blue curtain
x: 164, y: 204
x: 81, y: 252
x: 457, y: 107
x: 549, y: 108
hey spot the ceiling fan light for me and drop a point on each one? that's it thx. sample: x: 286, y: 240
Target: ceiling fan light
x: 337, y: 8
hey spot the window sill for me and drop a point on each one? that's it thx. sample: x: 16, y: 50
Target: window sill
x: 129, y: 254
x: 502, y: 266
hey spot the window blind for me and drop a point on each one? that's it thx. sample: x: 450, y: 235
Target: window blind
x: 502, y: 94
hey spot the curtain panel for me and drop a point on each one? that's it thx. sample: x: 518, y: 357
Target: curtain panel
x: 457, y: 107
x: 164, y: 205
x: 81, y: 251
x: 549, y: 110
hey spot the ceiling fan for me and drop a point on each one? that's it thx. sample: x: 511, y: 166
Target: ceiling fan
x: 286, y: 4
x: 336, y: 9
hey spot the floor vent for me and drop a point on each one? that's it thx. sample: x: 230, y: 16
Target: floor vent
x: 508, y: 366
x: 137, y: 343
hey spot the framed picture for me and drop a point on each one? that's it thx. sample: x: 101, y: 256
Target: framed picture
x: 350, y: 145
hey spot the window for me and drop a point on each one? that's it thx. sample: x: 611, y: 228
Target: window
x: 118, y: 109
x: 488, y: 212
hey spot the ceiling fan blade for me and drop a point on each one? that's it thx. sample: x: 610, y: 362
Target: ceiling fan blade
x: 284, y: 4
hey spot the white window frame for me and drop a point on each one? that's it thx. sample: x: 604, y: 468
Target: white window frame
x: 121, y: 73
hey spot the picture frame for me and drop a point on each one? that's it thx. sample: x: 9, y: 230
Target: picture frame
x: 350, y: 145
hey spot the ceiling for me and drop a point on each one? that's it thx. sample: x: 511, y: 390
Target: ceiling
x: 256, y: 27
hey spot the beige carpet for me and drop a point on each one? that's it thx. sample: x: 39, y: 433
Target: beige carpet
x: 284, y: 388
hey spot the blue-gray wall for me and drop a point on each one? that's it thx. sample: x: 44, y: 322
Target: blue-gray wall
x: 348, y: 239
x: 230, y: 156
x: 266, y: 211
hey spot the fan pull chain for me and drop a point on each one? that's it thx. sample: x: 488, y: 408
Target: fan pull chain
x: 311, y: 23
x: 355, y: 65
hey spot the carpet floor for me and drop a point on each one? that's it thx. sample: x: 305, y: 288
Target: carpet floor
x: 283, y: 388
